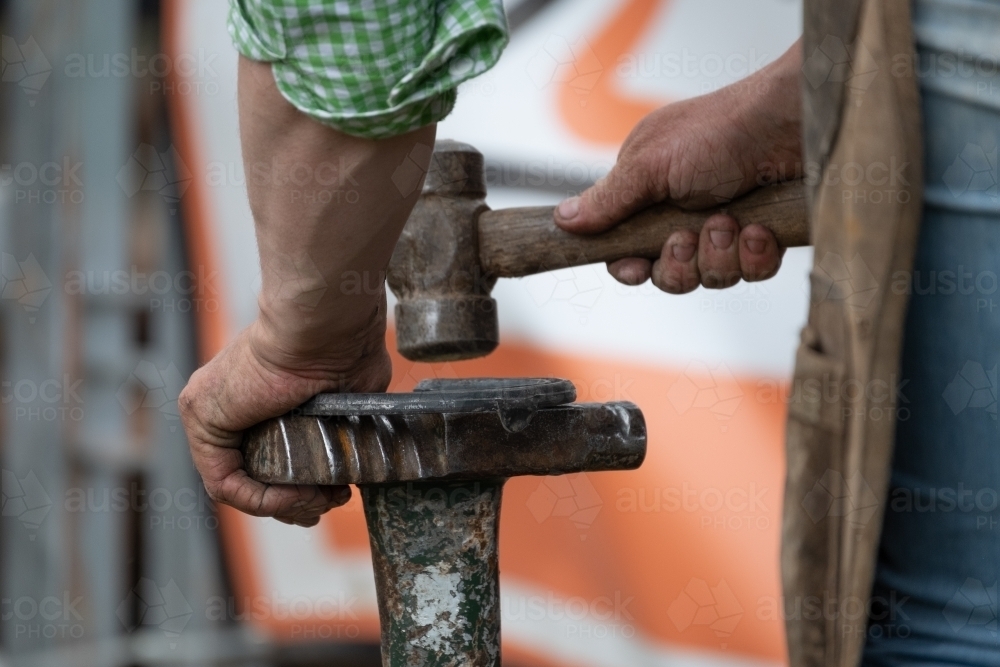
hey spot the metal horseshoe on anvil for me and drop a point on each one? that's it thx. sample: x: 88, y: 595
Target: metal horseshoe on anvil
x: 431, y: 466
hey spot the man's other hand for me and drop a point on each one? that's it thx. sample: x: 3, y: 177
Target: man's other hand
x: 701, y: 153
x: 327, y: 213
x: 254, y: 379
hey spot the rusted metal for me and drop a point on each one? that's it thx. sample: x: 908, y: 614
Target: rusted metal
x: 431, y: 467
x: 435, y: 552
x: 453, y: 249
x: 400, y: 448
x: 450, y: 395
x: 445, y: 311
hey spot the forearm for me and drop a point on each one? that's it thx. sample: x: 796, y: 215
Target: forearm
x: 327, y: 215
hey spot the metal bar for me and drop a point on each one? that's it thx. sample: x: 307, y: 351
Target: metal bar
x: 399, y: 448
x: 437, y: 573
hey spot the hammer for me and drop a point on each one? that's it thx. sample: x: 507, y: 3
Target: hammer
x: 453, y: 248
x: 431, y: 466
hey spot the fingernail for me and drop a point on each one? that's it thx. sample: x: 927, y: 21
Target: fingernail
x: 721, y: 238
x: 682, y: 252
x: 569, y: 208
x: 756, y: 246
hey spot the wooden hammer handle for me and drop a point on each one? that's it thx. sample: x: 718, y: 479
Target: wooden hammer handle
x: 523, y: 241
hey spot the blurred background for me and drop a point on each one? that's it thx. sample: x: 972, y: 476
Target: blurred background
x: 128, y: 259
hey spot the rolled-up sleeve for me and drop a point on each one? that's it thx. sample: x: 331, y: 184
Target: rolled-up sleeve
x: 371, y: 68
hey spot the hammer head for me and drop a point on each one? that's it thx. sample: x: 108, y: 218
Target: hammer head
x: 445, y: 312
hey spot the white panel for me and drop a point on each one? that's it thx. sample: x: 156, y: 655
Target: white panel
x: 752, y: 329
x: 590, y: 641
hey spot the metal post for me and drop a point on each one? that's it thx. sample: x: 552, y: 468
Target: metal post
x: 431, y: 467
x: 435, y: 553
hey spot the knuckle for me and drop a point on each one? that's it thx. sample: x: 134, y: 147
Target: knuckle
x: 186, y: 402
x: 255, y: 507
x: 628, y: 182
x: 215, y: 494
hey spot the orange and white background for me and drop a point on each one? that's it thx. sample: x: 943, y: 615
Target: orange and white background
x: 673, y: 564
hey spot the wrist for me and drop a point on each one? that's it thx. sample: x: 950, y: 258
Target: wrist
x: 341, y: 331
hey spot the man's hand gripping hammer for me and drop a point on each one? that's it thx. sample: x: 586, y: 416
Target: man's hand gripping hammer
x: 454, y: 248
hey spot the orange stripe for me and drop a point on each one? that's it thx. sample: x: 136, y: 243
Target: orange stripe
x: 592, y: 104
x: 649, y: 554
x: 516, y: 655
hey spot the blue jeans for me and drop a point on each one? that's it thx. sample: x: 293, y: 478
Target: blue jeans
x: 935, y: 595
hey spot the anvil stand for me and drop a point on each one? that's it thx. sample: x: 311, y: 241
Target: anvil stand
x: 431, y: 466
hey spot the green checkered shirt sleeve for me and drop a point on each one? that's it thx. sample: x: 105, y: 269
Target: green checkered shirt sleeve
x: 371, y: 68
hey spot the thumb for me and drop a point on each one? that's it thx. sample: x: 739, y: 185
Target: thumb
x: 600, y: 207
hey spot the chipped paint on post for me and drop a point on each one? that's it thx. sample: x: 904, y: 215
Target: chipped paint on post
x: 431, y: 467
x: 434, y: 547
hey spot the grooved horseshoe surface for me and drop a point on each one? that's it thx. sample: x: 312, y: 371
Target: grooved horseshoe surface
x: 298, y: 449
